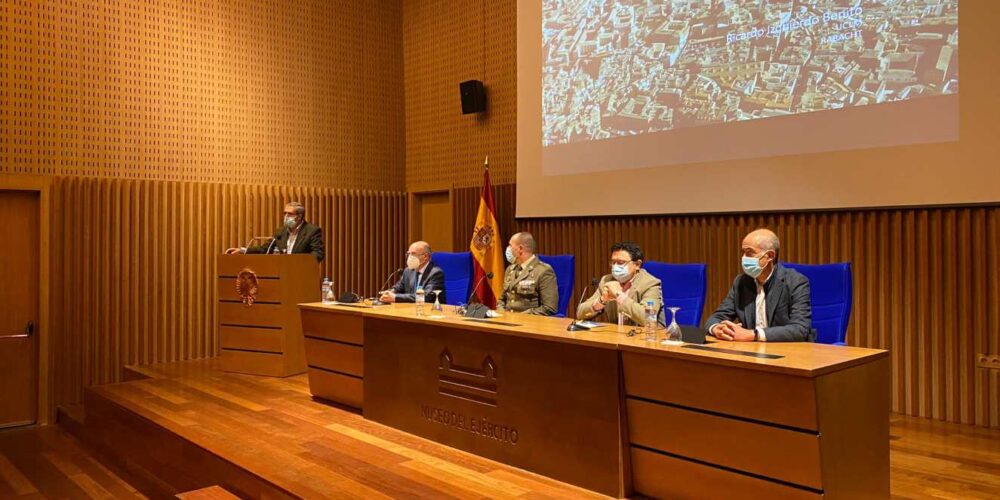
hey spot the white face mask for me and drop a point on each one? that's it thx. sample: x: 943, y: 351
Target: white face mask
x: 289, y: 221
x: 413, y: 262
x: 620, y: 272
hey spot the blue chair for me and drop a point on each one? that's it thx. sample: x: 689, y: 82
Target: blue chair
x: 684, y: 286
x: 457, y: 274
x: 831, y: 288
x: 565, y: 269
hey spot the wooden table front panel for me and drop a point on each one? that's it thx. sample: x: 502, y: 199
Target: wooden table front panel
x: 738, y: 430
x: 548, y: 407
x: 334, y: 347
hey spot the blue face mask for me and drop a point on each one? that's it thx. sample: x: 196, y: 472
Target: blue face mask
x: 751, y: 266
x: 289, y: 222
x: 509, y: 253
x: 620, y: 272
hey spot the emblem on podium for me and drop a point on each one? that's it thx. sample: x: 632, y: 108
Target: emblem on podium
x: 246, y: 286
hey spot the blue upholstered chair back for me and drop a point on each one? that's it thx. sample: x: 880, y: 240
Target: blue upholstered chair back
x: 831, y: 289
x: 565, y: 268
x: 684, y: 287
x: 457, y: 274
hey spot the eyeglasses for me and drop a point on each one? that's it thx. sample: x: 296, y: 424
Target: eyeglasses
x: 407, y: 254
x: 620, y: 262
x: 291, y: 214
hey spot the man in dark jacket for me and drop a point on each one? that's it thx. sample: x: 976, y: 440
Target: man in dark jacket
x: 420, y: 271
x: 294, y: 236
x: 767, y: 302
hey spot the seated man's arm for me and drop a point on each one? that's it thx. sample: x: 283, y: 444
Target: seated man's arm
x: 636, y: 309
x: 399, y: 290
x: 548, y: 295
x: 726, y: 310
x: 590, y: 308
x: 799, y: 324
x: 435, y: 287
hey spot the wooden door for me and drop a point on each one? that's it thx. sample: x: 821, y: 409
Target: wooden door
x: 431, y: 219
x: 19, y: 282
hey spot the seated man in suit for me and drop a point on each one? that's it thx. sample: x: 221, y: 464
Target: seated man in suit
x: 625, y: 290
x: 420, y: 269
x: 767, y: 302
x: 529, y: 285
x: 294, y: 236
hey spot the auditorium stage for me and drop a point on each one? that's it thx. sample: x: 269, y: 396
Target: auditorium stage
x: 182, y: 426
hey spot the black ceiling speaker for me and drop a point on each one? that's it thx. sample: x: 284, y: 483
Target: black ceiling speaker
x: 473, y: 97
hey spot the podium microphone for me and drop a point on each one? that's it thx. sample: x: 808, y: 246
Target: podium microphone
x: 271, y: 245
x: 257, y: 238
x: 477, y: 310
x: 574, y: 326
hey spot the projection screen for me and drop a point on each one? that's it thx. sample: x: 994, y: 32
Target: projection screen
x: 701, y: 106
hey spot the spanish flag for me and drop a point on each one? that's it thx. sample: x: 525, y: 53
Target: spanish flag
x: 487, y: 247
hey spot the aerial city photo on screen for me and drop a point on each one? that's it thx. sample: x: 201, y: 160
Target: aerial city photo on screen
x: 621, y: 68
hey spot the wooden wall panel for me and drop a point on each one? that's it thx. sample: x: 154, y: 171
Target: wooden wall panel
x: 268, y: 92
x: 445, y: 44
x: 925, y: 281
x: 132, y: 263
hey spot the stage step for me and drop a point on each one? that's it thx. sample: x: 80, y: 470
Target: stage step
x: 210, y: 493
x: 71, y: 417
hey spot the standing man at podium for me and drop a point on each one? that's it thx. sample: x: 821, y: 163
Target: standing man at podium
x: 294, y: 236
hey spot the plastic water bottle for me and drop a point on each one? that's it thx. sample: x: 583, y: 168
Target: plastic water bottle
x: 650, y: 327
x: 326, y: 291
x: 330, y: 297
x: 419, y: 299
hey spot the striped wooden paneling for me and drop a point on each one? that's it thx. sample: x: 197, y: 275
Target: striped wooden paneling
x: 926, y: 281
x: 304, y: 92
x: 133, y: 278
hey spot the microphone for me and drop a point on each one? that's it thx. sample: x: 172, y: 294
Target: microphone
x: 257, y: 238
x: 385, y: 284
x: 574, y: 326
x: 480, y: 282
x: 271, y: 245
x: 476, y: 310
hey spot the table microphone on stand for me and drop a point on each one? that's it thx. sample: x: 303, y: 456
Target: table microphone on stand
x: 574, y: 326
x: 477, y: 310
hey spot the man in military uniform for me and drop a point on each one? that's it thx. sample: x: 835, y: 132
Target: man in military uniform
x: 529, y: 285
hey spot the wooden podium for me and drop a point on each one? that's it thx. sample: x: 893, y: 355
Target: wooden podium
x: 260, y: 328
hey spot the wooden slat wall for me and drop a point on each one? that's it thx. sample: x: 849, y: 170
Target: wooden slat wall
x: 132, y: 263
x: 926, y: 281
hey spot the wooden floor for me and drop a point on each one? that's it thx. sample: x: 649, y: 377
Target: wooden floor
x: 273, y: 427
x: 309, y: 449
x: 932, y: 459
x: 47, y: 462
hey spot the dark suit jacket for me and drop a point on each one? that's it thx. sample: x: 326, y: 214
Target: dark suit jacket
x: 309, y: 240
x: 786, y: 295
x: 432, y: 281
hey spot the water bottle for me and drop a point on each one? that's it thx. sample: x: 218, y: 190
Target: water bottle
x: 650, y: 327
x: 419, y: 299
x: 326, y: 291
x: 330, y: 297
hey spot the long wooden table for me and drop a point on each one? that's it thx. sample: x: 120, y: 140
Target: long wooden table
x: 613, y: 413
